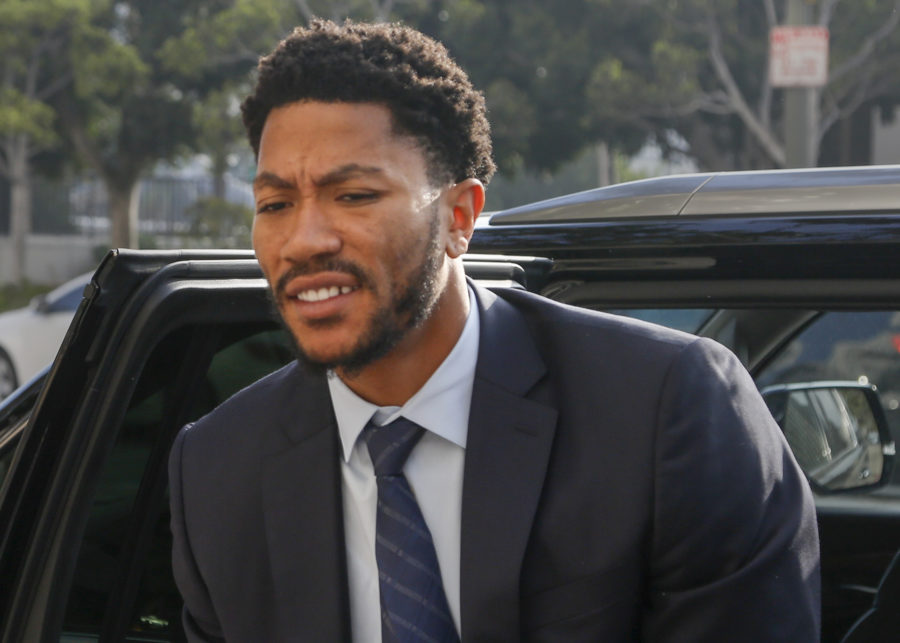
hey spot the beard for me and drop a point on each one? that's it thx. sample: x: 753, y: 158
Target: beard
x: 410, y: 304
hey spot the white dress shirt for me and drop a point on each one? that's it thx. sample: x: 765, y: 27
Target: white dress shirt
x: 434, y: 471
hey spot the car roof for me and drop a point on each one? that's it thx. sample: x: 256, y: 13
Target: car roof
x: 845, y: 190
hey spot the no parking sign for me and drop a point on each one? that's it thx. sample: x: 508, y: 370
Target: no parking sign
x: 798, y: 56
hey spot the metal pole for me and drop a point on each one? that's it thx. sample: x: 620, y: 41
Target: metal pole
x: 801, y: 113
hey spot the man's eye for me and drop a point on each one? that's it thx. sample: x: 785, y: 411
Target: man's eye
x: 271, y: 207
x: 357, y: 197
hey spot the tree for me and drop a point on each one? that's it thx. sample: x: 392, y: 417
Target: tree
x: 219, y: 129
x: 705, y: 75
x: 122, y: 114
x: 151, y: 61
x: 34, y: 34
x: 533, y: 60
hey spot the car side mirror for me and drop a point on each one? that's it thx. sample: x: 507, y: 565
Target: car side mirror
x: 39, y: 303
x: 837, y: 431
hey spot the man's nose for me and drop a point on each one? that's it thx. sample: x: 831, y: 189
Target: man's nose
x: 312, y: 234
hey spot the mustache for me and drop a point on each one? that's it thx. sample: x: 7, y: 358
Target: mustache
x: 324, y: 265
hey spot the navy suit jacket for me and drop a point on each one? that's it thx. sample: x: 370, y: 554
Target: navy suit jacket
x: 622, y: 482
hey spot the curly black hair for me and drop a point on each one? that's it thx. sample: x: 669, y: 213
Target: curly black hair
x: 429, y: 96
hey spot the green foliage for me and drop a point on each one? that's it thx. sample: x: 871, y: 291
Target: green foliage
x: 219, y: 129
x: 122, y: 110
x: 18, y: 296
x: 24, y: 22
x: 853, y: 27
x: 34, y: 35
x: 239, y: 33
x: 513, y: 120
x: 536, y: 61
x: 228, y: 224
x: 126, y: 110
x: 106, y: 69
x: 20, y: 114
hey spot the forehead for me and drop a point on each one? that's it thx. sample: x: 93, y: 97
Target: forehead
x: 322, y: 131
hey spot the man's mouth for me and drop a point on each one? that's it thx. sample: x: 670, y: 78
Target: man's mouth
x: 321, y: 294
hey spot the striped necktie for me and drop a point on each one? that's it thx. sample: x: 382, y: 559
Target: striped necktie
x: 413, y: 604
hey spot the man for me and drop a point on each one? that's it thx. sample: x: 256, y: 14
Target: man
x: 580, y: 477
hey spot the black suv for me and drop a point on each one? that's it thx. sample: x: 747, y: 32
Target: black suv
x: 798, y: 272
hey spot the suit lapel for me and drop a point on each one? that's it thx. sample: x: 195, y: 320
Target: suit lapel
x: 304, y: 520
x: 507, y: 451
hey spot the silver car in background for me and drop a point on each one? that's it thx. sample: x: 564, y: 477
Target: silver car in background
x: 31, y: 336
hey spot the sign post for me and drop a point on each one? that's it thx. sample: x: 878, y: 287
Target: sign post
x: 798, y: 62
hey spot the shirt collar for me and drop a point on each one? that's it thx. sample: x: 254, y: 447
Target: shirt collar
x: 441, y: 406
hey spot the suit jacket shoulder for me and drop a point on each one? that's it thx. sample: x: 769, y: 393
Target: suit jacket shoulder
x: 671, y: 507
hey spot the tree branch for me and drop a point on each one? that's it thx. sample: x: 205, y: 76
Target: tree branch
x: 839, y: 111
x: 57, y: 84
x: 52, y: 41
x: 713, y: 102
x: 825, y: 12
x: 865, y: 51
x: 76, y: 131
x: 769, y: 144
x: 46, y: 46
x: 870, y: 85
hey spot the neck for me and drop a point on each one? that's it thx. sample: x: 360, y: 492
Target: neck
x: 397, y: 376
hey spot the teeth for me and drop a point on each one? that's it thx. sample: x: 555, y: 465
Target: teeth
x: 323, y: 293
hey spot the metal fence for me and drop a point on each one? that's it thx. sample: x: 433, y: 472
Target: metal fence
x: 80, y: 206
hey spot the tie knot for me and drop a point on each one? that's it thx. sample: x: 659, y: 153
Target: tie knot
x: 390, y: 445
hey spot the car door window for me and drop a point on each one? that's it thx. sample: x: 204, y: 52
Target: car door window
x: 859, y: 346
x: 792, y: 346
x: 123, y: 585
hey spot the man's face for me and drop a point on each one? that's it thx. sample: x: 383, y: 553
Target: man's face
x: 348, y: 230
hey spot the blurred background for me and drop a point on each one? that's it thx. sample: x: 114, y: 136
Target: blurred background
x: 119, y: 123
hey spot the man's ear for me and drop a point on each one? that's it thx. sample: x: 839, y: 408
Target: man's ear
x: 466, y: 200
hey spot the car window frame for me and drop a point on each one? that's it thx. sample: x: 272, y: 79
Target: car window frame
x: 177, y: 294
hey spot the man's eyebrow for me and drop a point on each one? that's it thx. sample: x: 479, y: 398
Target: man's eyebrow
x: 345, y: 172
x: 268, y: 179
